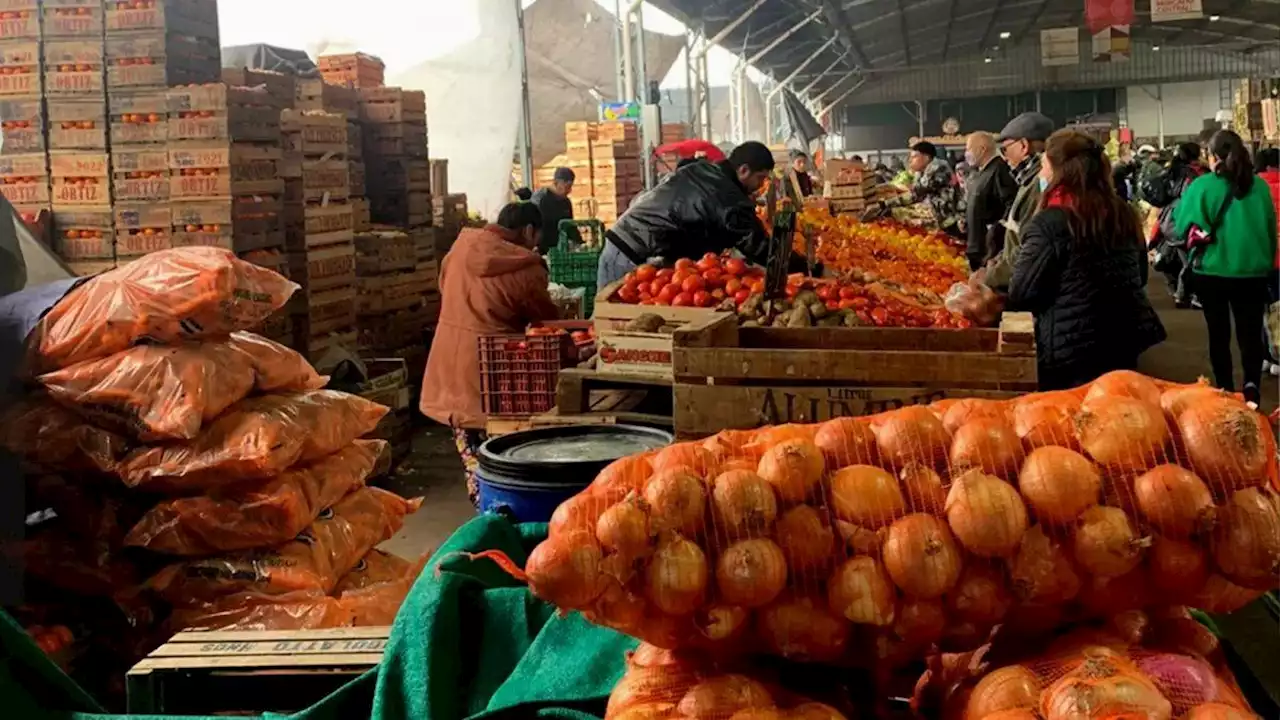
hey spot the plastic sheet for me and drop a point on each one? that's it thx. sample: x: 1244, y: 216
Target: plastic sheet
x: 51, y: 437
x: 250, y: 611
x: 256, y: 513
x: 868, y: 541
x: 374, y: 590
x: 313, y: 562
x: 255, y: 438
x: 165, y: 297
x: 975, y: 301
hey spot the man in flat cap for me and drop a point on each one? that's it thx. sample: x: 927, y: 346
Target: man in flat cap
x: 1022, y: 142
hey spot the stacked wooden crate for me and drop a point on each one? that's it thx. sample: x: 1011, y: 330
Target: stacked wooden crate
x: 672, y: 133
x: 448, y: 217
x: 358, y: 172
x: 24, y: 167
x: 397, y: 172
x: 394, y: 290
x: 578, y: 139
x: 354, y: 70
x: 615, y: 169
x: 318, y: 231
x: 850, y: 186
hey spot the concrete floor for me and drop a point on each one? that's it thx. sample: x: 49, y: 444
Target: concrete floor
x: 434, y: 471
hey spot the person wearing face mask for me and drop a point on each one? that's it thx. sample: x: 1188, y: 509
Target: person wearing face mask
x: 1022, y: 142
x: 492, y: 281
x: 1082, y: 269
x: 1229, y: 221
x: 991, y: 190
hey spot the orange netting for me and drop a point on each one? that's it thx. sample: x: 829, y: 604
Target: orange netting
x: 168, y: 392
x: 870, y: 540
x: 49, y: 436
x: 375, y: 589
x: 255, y: 438
x: 256, y: 513
x: 165, y: 297
x: 313, y: 562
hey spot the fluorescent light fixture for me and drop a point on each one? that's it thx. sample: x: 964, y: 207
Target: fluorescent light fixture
x: 1155, y: 48
x: 1006, y: 35
x: 1215, y: 18
x: 986, y: 60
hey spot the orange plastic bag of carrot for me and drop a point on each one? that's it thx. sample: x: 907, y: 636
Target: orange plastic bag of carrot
x: 312, y: 562
x: 49, y: 436
x: 255, y: 438
x: 374, y: 591
x: 256, y: 514
x: 251, y: 611
x: 166, y: 297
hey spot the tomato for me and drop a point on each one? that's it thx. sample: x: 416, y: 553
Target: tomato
x: 795, y: 279
x: 708, y: 261
x: 846, y: 304
x: 664, y: 274
x: 756, y: 285
x: 713, y: 277
x: 702, y: 298
x: 682, y: 300
x: 666, y: 294
x: 649, y: 301
x: 629, y: 295
x: 833, y: 305
x: 880, y: 316
x: 741, y: 296
x: 693, y: 284
x: 864, y: 316
x: 861, y: 302
x: 629, y: 279
x: 735, y: 266
x: 732, y: 285
x: 679, y: 277
x: 646, y: 273
x: 719, y: 294
x: 656, y: 286
x: 645, y: 295
x: 848, y: 293
x: 825, y: 292
x: 684, y: 264
x: 790, y: 290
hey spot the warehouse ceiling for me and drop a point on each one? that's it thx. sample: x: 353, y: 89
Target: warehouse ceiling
x: 886, y: 36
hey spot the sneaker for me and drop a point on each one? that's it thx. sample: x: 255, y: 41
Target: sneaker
x: 1270, y: 368
x: 1195, y: 303
x: 1252, y: 395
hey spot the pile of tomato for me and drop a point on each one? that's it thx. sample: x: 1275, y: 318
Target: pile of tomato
x: 875, y: 308
x: 706, y: 283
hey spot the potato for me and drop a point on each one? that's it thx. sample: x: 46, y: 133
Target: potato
x: 799, y: 317
x: 648, y: 322
x: 818, y: 311
x: 806, y: 297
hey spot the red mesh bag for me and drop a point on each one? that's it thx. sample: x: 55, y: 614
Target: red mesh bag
x: 255, y: 438
x: 256, y: 513
x: 49, y: 436
x: 168, y: 392
x: 313, y: 562
x: 164, y: 297
x: 374, y: 590
x: 867, y: 541
x: 251, y: 611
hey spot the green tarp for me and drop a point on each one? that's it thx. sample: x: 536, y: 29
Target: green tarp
x: 469, y: 642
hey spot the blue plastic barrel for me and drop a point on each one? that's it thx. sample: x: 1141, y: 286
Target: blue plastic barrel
x: 525, y: 475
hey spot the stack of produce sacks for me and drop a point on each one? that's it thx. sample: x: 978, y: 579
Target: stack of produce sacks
x: 869, y: 541
x: 245, y: 479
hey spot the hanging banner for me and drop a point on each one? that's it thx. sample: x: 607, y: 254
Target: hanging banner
x: 1168, y: 10
x: 1060, y: 46
x: 1101, y: 14
x: 1111, y: 44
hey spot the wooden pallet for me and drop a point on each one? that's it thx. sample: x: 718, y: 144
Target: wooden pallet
x: 205, y: 673
x: 732, y: 377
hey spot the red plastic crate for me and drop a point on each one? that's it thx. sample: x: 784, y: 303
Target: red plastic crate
x: 518, y: 373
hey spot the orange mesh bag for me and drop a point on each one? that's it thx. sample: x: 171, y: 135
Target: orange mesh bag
x: 250, y: 611
x: 313, y: 562
x: 867, y: 541
x: 164, y: 297
x: 255, y: 438
x: 661, y: 685
x: 168, y: 392
x: 374, y: 590
x: 256, y: 513
x: 49, y: 436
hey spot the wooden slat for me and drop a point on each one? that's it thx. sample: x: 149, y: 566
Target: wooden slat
x: 285, y: 662
x: 920, y: 339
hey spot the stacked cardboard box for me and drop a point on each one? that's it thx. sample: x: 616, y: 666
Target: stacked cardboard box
x: 397, y: 172
x: 355, y: 70
x: 615, y: 169
x: 850, y: 186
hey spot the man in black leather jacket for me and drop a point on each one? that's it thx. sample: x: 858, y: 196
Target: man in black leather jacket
x: 703, y: 207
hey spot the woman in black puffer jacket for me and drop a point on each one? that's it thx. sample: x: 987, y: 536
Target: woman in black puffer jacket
x: 1082, y: 269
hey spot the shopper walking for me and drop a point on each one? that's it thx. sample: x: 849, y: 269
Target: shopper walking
x: 1229, y: 220
x: 1082, y: 270
x: 990, y: 190
x: 1022, y: 142
x: 1268, y: 167
x: 1164, y: 191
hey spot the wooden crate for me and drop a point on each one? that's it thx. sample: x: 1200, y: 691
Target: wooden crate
x: 19, y: 20
x: 80, y: 179
x: 217, y: 168
x: 615, y: 149
x: 142, y: 228
x: 393, y: 105
x: 317, y: 224
x: 310, y: 180
x: 580, y: 132
x: 24, y: 179
x: 355, y: 140
x: 361, y: 221
x: 639, y: 353
x: 316, y: 95
x: 400, y: 175
x: 324, y: 268
x: 20, y: 69
x: 354, y: 70
x: 195, y: 18
x: 73, y: 67
x: 89, y: 268
x: 77, y: 124
x: 138, y: 117
x: 439, y: 171
x: 72, y: 18
x: 22, y: 126
x: 140, y: 173
x: 239, y: 224
x: 320, y: 312
x: 407, y: 209
x: 357, y: 181
x: 84, y: 235
x: 732, y: 377
x: 204, y: 673
x: 275, y: 260
x: 384, y: 252
x: 617, y: 130
x: 280, y: 88
x: 220, y: 112
x: 157, y: 59
x: 314, y: 134
x: 388, y: 292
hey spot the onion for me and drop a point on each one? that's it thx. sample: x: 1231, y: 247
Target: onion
x: 801, y: 629
x: 751, y: 573
x: 642, y: 686
x: 980, y: 596
x: 646, y: 655
x: 1041, y: 571
x: 1104, y: 685
x: 920, y: 623
x: 628, y: 473
x: 1125, y: 383
x: 580, y: 512
x: 814, y: 711
x: 1246, y: 544
x: 1007, y: 688
x: 624, y: 529
x: 847, y: 441
x: 565, y: 570
x: 806, y: 541
x: 866, y: 495
x: 1117, y: 491
x: 770, y: 436
x: 794, y: 468
x: 618, y: 608
x: 1218, y: 711
x: 860, y: 591
x: 986, y: 514
x: 744, y: 504
x: 676, y: 578
x: 1220, y: 595
x: 1109, y: 596
x: 1130, y: 625
x: 1184, y: 680
x: 921, y: 556
x: 647, y: 711
x: 1228, y: 444
x: 760, y: 714
x: 722, y: 622
x: 1122, y: 433
x: 720, y: 697
x: 667, y: 631
x: 923, y: 489
x: 1176, y: 400
x: 1178, y: 567
x: 691, y: 457
x: 989, y: 445
x: 970, y: 409
x: 1106, y: 543
x: 1047, y: 419
x: 911, y: 434
x: 1059, y: 484
x: 1175, y: 501
x: 859, y: 540
x: 677, y: 500
x: 1013, y: 714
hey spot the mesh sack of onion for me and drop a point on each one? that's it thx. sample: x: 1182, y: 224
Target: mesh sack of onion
x: 1156, y: 665
x: 869, y: 540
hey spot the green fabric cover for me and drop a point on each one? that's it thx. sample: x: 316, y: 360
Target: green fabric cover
x: 469, y: 642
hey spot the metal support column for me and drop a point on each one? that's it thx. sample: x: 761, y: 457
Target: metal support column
x: 526, y: 114
x: 690, y: 92
x: 618, y: 56
x: 704, y: 106
x: 741, y: 134
x: 768, y: 101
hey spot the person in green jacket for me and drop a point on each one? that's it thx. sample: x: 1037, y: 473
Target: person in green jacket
x: 1233, y: 207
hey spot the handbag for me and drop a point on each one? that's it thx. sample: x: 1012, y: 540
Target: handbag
x: 1198, y: 238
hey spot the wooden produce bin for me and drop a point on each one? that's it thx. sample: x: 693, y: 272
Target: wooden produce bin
x: 239, y: 224
x: 24, y: 179
x: 19, y: 20
x: 84, y: 235
x: 20, y: 69
x: 355, y: 70
x: 139, y: 117
x: 630, y: 352
x: 22, y: 126
x: 78, y: 124
x: 155, y: 59
x: 141, y: 228
x: 80, y: 179
x: 74, y: 68
x: 728, y: 377
x: 72, y: 18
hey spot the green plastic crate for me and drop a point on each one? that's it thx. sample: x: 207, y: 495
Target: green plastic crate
x: 576, y: 258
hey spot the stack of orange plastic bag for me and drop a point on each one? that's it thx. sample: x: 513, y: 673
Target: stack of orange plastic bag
x: 150, y: 384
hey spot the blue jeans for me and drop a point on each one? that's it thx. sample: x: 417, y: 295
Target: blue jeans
x: 613, y: 265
